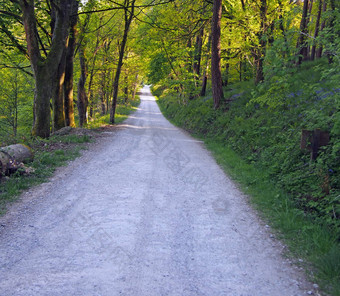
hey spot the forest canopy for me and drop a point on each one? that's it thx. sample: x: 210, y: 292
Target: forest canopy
x: 64, y: 61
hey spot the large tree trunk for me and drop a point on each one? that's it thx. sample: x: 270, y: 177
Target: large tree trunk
x: 58, y: 96
x: 42, y: 111
x: 44, y: 69
x: 129, y: 14
x: 68, y: 83
x: 216, y: 75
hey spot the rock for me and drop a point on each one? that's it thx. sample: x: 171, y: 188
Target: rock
x: 18, y: 152
x: 12, y: 158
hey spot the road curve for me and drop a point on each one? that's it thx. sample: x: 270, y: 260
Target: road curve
x: 146, y: 212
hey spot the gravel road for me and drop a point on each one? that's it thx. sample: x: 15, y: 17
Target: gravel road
x: 144, y: 212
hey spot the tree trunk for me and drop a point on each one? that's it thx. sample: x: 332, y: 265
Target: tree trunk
x: 42, y: 111
x: 206, y: 70
x: 204, y: 85
x: 319, y: 50
x: 126, y: 87
x: 135, y: 86
x: 310, y: 7
x: 44, y: 69
x: 102, y: 91
x: 282, y: 28
x: 331, y: 27
x: 198, y: 55
x: 68, y: 83
x: 301, y: 44
x: 240, y: 69
x: 261, y: 51
x: 316, y: 32
x: 129, y: 14
x: 216, y: 75
x: 226, y: 80
x: 58, y: 96
x: 82, y: 96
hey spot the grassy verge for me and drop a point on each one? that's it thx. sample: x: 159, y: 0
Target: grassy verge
x: 52, y: 153
x: 122, y: 112
x: 307, y: 237
x: 48, y: 155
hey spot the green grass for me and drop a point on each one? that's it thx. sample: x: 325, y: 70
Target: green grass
x: 122, y: 112
x: 46, y: 160
x: 306, y: 239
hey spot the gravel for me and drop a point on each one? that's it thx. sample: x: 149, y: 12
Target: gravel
x: 145, y: 211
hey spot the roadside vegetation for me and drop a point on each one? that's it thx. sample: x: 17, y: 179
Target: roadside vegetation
x: 259, y: 146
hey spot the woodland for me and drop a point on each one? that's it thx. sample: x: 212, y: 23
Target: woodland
x: 259, y: 77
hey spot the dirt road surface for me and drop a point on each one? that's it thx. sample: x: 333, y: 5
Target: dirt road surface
x: 145, y: 212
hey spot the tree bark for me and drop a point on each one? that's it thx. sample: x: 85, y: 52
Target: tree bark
x: 319, y: 50
x: 331, y: 27
x: 198, y: 54
x: 261, y: 51
x: 316, y: 32
x: 82, y: 96
x: 135, y: 87
x: 44, y: 69
x: 226, y: 80
x: 206, y: 69
x: 68, y: 83
x: 216, y: 75
x: 128, y: 16
x: 301, y: 44
x: 58, y: 96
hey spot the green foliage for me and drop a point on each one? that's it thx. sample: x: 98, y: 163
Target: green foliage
x: 158, y: 68
x: 16, y: 100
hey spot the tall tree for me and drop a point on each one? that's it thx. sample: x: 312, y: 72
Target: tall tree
x: 129, y: 11
x: 261, y: 50
x: 302, y: 44
x: 68, y: 83
x: 316, y: 32
x: 324, y: 9
x: 45, y: 69
x: 216, y: 75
